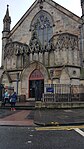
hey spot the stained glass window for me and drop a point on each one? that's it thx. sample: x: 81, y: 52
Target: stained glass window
x: 42, y: 24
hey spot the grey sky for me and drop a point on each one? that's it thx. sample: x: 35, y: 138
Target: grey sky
x: 17, y: 8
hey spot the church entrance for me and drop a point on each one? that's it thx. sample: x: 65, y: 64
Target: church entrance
x: 36, y: 85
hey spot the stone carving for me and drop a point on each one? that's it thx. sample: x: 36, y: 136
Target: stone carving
x: 15, y: 48
x: 25, y: 60
x: 52, y: 47
x: 34, y: 45
x: 66, y: 41
x: 40, y: 1
x: 8, y: 52
x: 63, y: 42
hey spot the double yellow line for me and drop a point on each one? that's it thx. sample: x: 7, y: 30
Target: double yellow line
x: 58, y: 128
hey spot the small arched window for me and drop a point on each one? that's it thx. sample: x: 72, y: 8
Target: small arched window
x: 42, y: 24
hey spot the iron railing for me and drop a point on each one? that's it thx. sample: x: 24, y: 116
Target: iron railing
x: 63, y: 93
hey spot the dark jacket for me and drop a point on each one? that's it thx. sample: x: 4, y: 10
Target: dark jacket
x: 13, y: 97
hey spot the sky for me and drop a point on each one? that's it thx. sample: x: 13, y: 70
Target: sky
x: 17, y: 8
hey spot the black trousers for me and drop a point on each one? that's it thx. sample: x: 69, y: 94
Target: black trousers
x: 6, y: 100
x: 12, y: 104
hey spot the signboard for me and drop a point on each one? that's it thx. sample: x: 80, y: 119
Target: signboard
x: 50, y: 89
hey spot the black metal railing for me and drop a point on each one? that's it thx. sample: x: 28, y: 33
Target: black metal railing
x: 63, y: 93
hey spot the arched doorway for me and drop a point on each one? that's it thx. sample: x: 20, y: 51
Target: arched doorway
x: 36, y: 85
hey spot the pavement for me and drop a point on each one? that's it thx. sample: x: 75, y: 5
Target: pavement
x: 59, y: 117
x: 40, y: 117
x: 20, y: 117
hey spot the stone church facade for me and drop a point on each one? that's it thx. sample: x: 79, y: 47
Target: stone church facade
x: 44, y: 47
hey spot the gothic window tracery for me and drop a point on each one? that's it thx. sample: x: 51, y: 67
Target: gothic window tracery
x: 42, y: 24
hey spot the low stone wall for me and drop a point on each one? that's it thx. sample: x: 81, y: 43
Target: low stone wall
x: 22, y: 98
x: 59, y: 105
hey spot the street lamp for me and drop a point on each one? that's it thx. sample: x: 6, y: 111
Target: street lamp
x: 17, y: 81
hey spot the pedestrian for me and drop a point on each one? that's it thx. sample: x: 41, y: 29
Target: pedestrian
x: 13, y: 99
x: 6, y: 97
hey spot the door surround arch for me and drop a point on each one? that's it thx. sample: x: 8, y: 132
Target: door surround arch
x: 26, y: 75
x: 36, y: 75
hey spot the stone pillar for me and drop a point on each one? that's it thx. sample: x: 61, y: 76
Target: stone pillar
x: 58, y: 56
x: 70, y: 56
x: 75, y: 56
x: 40, y: 58
x: 46, y: 58
x: 52, y: 58
x: 82, y: 34
x: 19, y: 61
x: 31, y: 57
x: 35, y: 56
x: 78, y: 58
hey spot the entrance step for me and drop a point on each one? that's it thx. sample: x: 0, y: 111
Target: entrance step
x: 21, y: 105
x: 58, y: 105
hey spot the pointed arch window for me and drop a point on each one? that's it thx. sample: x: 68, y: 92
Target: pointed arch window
x: 42, y: 24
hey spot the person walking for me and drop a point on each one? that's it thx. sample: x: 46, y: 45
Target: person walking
x: 13, y: 99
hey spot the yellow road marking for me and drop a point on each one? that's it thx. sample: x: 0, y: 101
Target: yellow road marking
x: 58, y: 128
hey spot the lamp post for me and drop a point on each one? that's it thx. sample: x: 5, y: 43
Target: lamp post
x: 17, y: 81
x: 52, y: 86
x: 1, y: 91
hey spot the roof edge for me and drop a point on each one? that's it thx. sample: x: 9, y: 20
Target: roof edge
x: 54, y: 4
